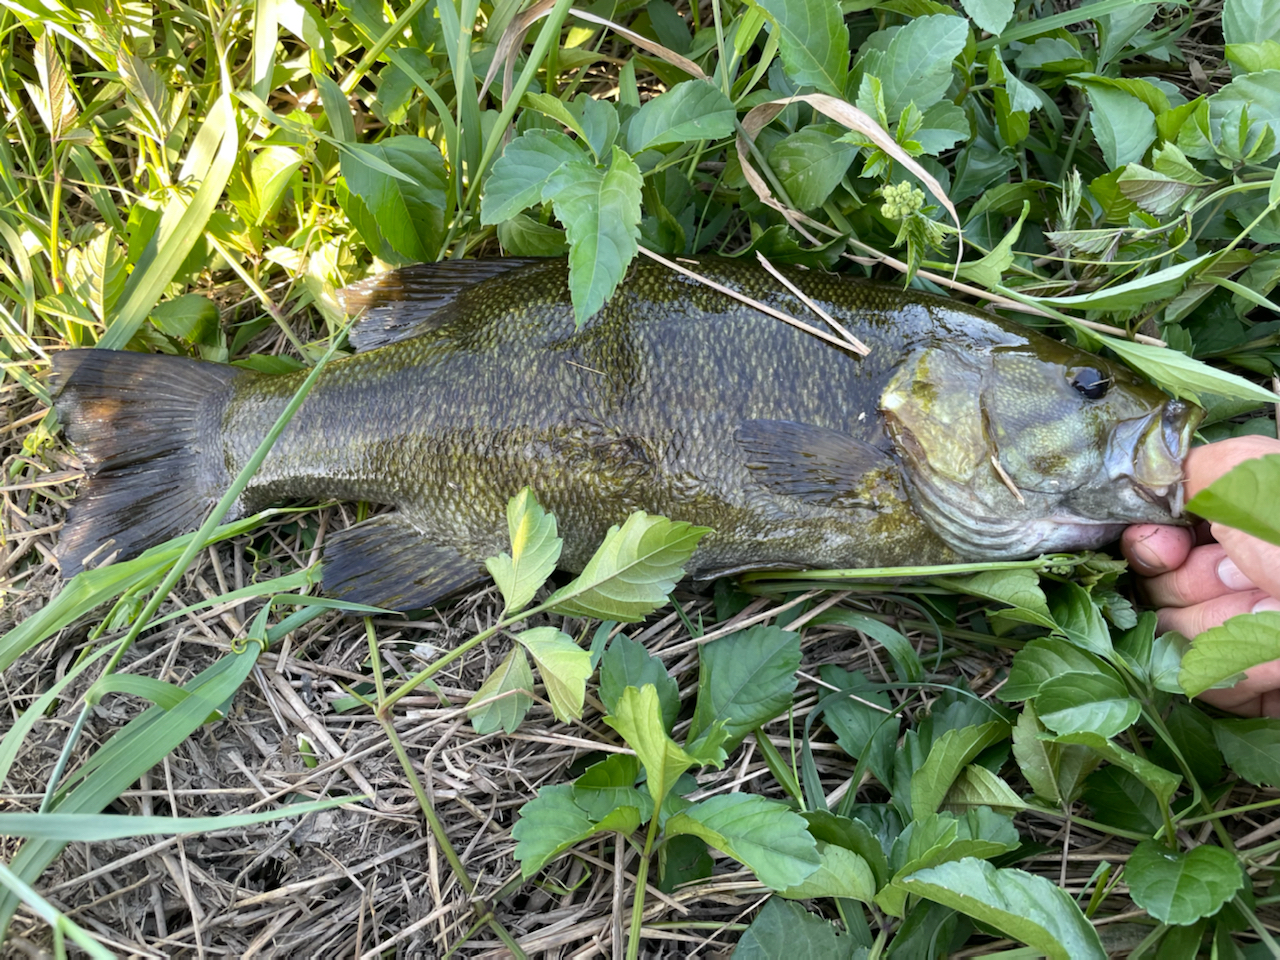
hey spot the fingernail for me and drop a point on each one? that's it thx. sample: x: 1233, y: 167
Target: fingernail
x: 1144, y: 555
x: 1267, y: 605
x: 1231, y: 576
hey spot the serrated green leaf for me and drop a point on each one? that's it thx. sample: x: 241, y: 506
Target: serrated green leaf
x: 765, y: 835
x: 1245, y: 21
x: 990, y: 269
x: 409, y: 210
x: 506, y: 713
x: 784, y: 929
x: 518, y: 176
x: 840, y: 873
x: 1055, y: 771
x: 1179, y: 887
x: 628, y: 664
x: 950, y: 754
x: 991, y: 15
x: 744, y: 680
x: 1070, y: 702
x: 976, y: 786
x: 551, y: 823
x: 638, y: 719
x: 693, y: 110
x: 813, y: 41
x: 1078, y: 618
x: 522, y: 236
x: 852, y: 834
x: 810, y: 163
x: 1044, y: 658
x: 861, y: 730
x: 1220, y: 653
x: 535, y: 551
x: 601, y: 217
x: 610, y: 784
x: 1028, y: 908
x: 1180, y: 374
x: 1158, y: 780
x: 1244, y: 498
x: 1018, y: 588
x: 557, y: 110
x: 917, y: 64
x: 1251, y: 748
x: 564, y: 666
x: 1154, y: 192
x: 633, y: 571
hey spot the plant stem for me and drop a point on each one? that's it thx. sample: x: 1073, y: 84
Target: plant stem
x: 637, y: 905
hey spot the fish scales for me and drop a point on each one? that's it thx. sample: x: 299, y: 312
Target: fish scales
x: 673, y: 399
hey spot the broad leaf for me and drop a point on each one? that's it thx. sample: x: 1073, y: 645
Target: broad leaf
x: 861, y: 729
x: 1174, y: 370
x: 783, y: 929
x: 1079, y: 619
x: 1158, y: 780
x: 1248, y: 21
x: 763, y: 834
x: 535, y: 550
x: 811, y: 162
x: 693, y: 110
x: 1071, y: 702
x: 990, y: 15
x: 628, y: 664
x: 1251, y: 748
x: 840, y: 873
x: 638, y: 719
x: 409, y: 209
x: 633, y: 571
x: 518, y: 176
x: 1220, y: 653
x: 1178, y: 887
x: 513, y: 678
x: 814, y: 42
x: 950, y: 754
x: 1244, y: 498
x: 1018, y: 588
x: 551, y: 823
x: 1055, y: 771
x: 852, y: 834
x: 564, y: 666
x: 601, y: 216
x: 1028, y: 908
x: 1123, y: 125
x: 745, y: 680
x: 976, y: 786
x: 917, y: 65
x: 1043, y: 659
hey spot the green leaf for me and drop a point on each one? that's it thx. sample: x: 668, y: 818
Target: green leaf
x: 557, y: 110
x: 518, y: 176
x: 1154, y: 192
x: 564, y: 666
x: 535, y: 551
x: 1158, y: 780
x: 917, y: 64
x: 944, y: 126
x: 409, y: 209
x: 93, y: 827
x: 810, y: 163
x: 976, y: 786
x: 599, y: 123
x: 813, y: 41
x: 693, y: 110
x: 1253, y: 57
x: 632, y: 572
x: 840, y: 873
x: 861, y: 730
x: 853, y: 835
x: 522, y: 236
x: 950, y: 754
x: 551, y: 823
x: 989, y: 270
x: 1174, y: 370
x: 610, y: 784
x: 783, y: 929
x: 1070, y: 702
x: 270, y: 172
x: 991, y: 15
x: 506, y: 713
x: 1244, y: 498
x: 1021, y: 905
x: 190, y: 317
x: 1079, y: 619
x: 1220, y: 653
x: 1056, y: 771
x: 745, y: 680
x: 1018, y: 588
x: 1259, y: 93
x: 1248, y: 21
x: 1251, y: 748
x: 1178, y: 887
x: 1135, y: 295
x: 601, y: 217
x: 765, y: 835
x: 1044, y: 658
x: 628, y: 664
x: 638, y: 719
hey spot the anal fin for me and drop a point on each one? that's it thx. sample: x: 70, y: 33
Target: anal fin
x: 386, y: 562
x: 810, y: 462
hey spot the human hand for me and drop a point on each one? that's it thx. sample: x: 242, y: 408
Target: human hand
x: 1199, y: 582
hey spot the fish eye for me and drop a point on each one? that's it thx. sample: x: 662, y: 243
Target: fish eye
x: 1090, y: 384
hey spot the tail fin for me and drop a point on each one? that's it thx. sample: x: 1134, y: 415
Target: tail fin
x: 148, y: 430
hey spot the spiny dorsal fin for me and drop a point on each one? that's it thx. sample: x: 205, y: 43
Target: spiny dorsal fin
x: 386, y: 562
x: 809, y: 462
x: 406, y: 302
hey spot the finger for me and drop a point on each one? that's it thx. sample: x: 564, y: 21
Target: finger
x: 1194, y: 620
x: 1206, y: 573
x: 1153, y: 550
x: 1257, y: 559
x: 1206, y: 464
x: 1258, y: 695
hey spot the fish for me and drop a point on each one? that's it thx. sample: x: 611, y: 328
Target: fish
x: 962, y: 436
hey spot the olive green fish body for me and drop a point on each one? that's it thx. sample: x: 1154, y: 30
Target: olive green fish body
x: 959, y: 436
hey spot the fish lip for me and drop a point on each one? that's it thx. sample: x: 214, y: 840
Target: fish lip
x: 1151, y: 445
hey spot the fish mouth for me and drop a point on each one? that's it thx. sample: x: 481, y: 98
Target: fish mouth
x: 1150, y: 451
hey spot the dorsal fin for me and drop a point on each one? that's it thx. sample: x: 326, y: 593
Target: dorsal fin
x: 405, y: 302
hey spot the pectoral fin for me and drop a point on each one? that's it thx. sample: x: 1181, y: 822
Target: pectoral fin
x: 812, y: 463
x: 386, y: 562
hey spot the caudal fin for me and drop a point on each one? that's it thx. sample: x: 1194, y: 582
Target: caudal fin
x: 147, y: 429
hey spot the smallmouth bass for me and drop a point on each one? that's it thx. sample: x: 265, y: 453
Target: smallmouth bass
x: 961, y: 437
